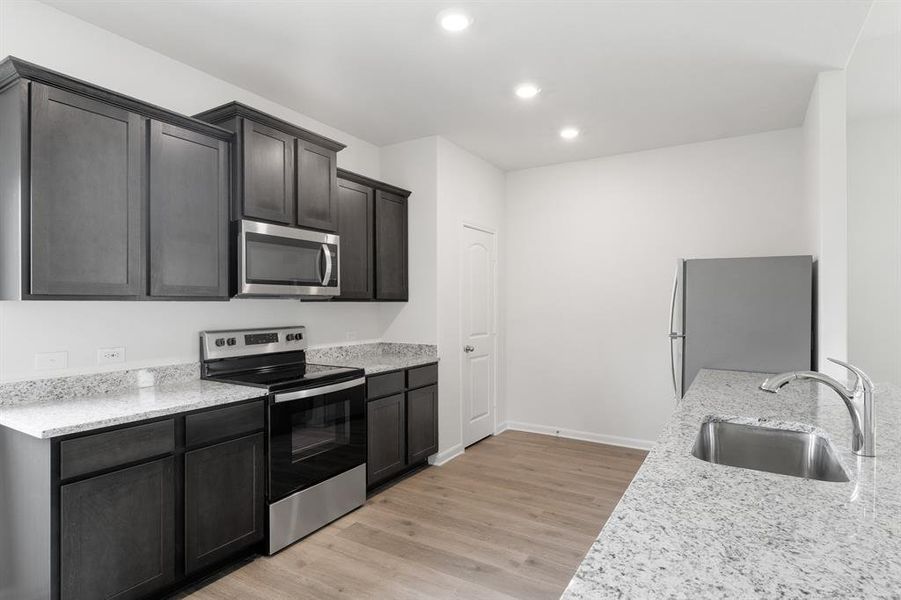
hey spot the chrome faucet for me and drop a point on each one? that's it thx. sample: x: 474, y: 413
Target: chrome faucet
x: 858, y: 398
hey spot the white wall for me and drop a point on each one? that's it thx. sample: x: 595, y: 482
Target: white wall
x: 586, y: 346
x: 414, y: 165
x: 470, y: 190
x: 825, y: 185
x: 874, y: 196
x: 154, y: 333
x: 874, y: 247
x: 451, y: 187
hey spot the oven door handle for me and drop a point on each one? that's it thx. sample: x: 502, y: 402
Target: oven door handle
x: 318, y: 391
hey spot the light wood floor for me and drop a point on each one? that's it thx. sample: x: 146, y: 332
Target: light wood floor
x: 511, y: 518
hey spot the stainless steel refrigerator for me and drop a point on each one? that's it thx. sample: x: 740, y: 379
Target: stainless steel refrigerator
x: 743, y: 314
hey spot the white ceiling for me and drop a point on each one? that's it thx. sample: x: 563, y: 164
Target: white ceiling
x: 632, y: 75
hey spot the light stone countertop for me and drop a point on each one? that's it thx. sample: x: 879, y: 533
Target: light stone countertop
x: 375, y: 358
x: 689, y: 529
x: 61, y: 406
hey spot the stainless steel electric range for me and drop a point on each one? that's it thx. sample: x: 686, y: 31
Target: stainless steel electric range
x: 316, y: 425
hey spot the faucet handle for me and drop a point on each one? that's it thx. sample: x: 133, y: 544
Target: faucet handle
x: 862, y: 379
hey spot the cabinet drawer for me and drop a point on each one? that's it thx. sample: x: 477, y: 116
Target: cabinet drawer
x: 113, y: 448
x: 421, y: 376
x: 383, y: 385
x: 222, y: 423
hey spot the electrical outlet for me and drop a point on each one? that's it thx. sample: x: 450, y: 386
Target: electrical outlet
x: 108, y: 356
x: 51, y: 360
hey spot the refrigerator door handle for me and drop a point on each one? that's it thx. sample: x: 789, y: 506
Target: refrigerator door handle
x: 673, y: 335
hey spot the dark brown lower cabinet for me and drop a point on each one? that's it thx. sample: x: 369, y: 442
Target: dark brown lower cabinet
x: 386, y: 453
x: 135, y: 511
x: 422, y: 423
x: 402, y: 421
x: 117, y: 533
x: 223, y: 500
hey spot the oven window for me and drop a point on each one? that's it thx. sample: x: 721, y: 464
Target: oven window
x: 319, y: 429
x: 313, y: 439
x: 282, y: 260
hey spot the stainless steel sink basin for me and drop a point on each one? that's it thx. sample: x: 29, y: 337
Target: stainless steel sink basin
x: 796, y: 453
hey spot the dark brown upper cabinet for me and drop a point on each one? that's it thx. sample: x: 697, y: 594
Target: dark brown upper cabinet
x: 107, y: 197
x: 188, y: 213
x: 317, y: 187
x: 390, y: 246
x: 283, y: 173
x: 372, y: 224
x: 86, y: 185
x: 268, y: 160
x: 356, y: 229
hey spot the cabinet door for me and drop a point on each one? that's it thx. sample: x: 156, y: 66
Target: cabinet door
x: 268, y: 161
x: 422, y: 423
x: 390, y: 246
x: 317, y: 189
x: 223, y: 500
x: 188, y: 213
x: 86, y: 186
x: 117, y: 533
x: 355, y: 228
x: 386, y: 453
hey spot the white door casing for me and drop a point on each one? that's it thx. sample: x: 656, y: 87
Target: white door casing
x: 478, y: 333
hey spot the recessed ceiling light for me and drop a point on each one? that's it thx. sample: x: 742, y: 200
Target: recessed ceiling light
x: 454, y: 20
x: 527, y: 90
x: 569, y: 133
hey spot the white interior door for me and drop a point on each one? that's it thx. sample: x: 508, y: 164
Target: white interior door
x: 478, y: 334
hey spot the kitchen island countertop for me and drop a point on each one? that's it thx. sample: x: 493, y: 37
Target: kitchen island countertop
x: 686, y: 528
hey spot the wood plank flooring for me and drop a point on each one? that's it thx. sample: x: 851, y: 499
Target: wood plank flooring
x: 511, y: 518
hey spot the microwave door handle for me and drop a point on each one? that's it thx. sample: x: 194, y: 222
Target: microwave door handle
x: 328, y: 265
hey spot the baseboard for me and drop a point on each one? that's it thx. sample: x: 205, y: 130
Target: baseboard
x: 574, y: 434
x: 442, y: 458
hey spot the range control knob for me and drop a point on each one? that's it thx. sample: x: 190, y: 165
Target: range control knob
x: 298, y: 336
x: 232, y: 341
x: 220, y: 342
x: 289, y: 337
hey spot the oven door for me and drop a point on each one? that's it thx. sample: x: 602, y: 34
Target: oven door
x: 285, y: 261
x: 315, y: 434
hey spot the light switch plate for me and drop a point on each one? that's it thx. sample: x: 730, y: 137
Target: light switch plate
x: 51, y: 360
x: 108, y: 356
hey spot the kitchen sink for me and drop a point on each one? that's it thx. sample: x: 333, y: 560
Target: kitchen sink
x: 761, y: 448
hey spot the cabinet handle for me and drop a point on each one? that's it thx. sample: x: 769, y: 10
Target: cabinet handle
x: 467, y: 349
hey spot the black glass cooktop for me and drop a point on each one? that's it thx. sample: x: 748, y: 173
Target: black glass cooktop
x: 296, y: 376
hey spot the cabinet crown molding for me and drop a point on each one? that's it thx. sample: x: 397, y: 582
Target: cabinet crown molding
x: 237, y: 109
x: 13, y: 69
x: 373, y: 183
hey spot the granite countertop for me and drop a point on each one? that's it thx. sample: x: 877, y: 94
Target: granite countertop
x: 54, y: 407
x: 377, y: 357
x: 686, y: 528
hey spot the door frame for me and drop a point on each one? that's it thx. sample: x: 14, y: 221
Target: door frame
x: 467, y: 224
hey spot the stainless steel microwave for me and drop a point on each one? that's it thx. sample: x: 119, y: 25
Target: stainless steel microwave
x: 279, y: 261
